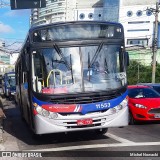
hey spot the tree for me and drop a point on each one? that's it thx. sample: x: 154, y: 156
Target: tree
x: 139, y: 73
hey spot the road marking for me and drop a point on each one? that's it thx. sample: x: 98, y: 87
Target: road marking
x: 97, y: 146
x: 117, y: 138
x: 2, y: 148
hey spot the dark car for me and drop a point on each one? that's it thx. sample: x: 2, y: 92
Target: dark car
x: 155, y: 86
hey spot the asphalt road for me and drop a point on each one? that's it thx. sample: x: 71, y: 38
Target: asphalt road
x: 131, y: 142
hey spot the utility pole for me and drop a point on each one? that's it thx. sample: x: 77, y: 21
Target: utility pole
x: 155, y: 40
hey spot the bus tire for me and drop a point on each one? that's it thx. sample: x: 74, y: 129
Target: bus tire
x: 101, y: 131
x: 21, y: 111
x: 37, y: 136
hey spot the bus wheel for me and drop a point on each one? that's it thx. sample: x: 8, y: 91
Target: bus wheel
x: 132, y: 121
x: 101, y: 131
x: 36, y: 136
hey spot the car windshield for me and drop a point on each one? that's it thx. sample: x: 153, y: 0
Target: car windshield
x: 142, y: 93
x: 157, y: 88
x: 78, y: 69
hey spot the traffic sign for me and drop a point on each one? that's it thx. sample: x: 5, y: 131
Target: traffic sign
x: 27, y: 4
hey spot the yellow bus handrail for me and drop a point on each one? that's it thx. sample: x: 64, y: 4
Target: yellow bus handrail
x: 54, y: 70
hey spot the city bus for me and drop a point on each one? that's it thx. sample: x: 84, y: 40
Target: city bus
x: 71, y: 76
x: 9, y: 85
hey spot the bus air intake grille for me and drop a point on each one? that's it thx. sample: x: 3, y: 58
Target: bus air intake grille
x: 83, y: 99
x: 88, y: 113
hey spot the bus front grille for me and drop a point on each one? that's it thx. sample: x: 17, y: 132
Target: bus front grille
x: 80, y: 99
x: 96, y: 122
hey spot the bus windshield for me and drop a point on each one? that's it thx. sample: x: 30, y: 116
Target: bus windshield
x: 78, y: 69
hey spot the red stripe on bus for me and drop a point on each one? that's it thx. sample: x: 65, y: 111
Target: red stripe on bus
x: 35, y: 112
x: 59, y: 108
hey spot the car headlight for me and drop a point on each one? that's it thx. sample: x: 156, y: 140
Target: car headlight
x: 140, y: 106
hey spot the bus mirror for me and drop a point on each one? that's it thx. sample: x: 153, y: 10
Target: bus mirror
x: 126, y: 58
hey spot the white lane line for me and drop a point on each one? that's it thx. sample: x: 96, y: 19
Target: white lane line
x: 97, y: 146
x: 119, y: 139
x: 2, y: 148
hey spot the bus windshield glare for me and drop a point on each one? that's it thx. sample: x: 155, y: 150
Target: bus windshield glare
x: 78, y: 69
x: 72, y: 32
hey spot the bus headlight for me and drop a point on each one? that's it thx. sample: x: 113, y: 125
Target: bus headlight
x: 39, y: 109
x: 119, y: 107
x: 45, y: 113
x: 113, y: 110
x: 53, y: 115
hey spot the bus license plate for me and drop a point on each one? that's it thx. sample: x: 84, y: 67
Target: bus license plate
x: 82, y: 122
x: 157, y: 116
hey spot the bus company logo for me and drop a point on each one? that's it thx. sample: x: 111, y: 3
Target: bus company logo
x: 59, y: 107
x: 78, y: 108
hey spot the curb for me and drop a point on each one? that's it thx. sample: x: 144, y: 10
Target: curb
x: 2, y: 117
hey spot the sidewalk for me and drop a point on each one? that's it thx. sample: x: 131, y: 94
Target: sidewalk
x: 2, y: 116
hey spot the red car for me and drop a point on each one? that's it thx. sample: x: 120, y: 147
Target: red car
x: 144, y: 103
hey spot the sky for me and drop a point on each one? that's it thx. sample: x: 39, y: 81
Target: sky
x: 14, y: 25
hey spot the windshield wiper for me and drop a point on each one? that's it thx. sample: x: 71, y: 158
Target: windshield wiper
x: 58, y: 50
x: 69, y: 66
x: 96, y: 54
x: 106, y: 66
x: 89, y: 65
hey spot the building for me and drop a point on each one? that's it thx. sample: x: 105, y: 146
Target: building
x: 67, y: 10
x: 4, y: 59
x: 137, y: 20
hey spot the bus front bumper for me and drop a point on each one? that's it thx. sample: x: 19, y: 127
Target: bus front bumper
x: 45, y: 125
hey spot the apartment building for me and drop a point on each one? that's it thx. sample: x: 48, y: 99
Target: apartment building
x: 137, y: 19
x: 67, y: 10
x: 138, y: 22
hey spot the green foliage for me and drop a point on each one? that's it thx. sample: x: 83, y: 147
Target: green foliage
x: 139, y: 73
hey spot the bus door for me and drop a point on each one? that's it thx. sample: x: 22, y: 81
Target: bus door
x: 24, y: 89
x: 24, y: 96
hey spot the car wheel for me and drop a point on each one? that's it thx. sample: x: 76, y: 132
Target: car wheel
x: 101, y: 131
x: 132, y: 121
